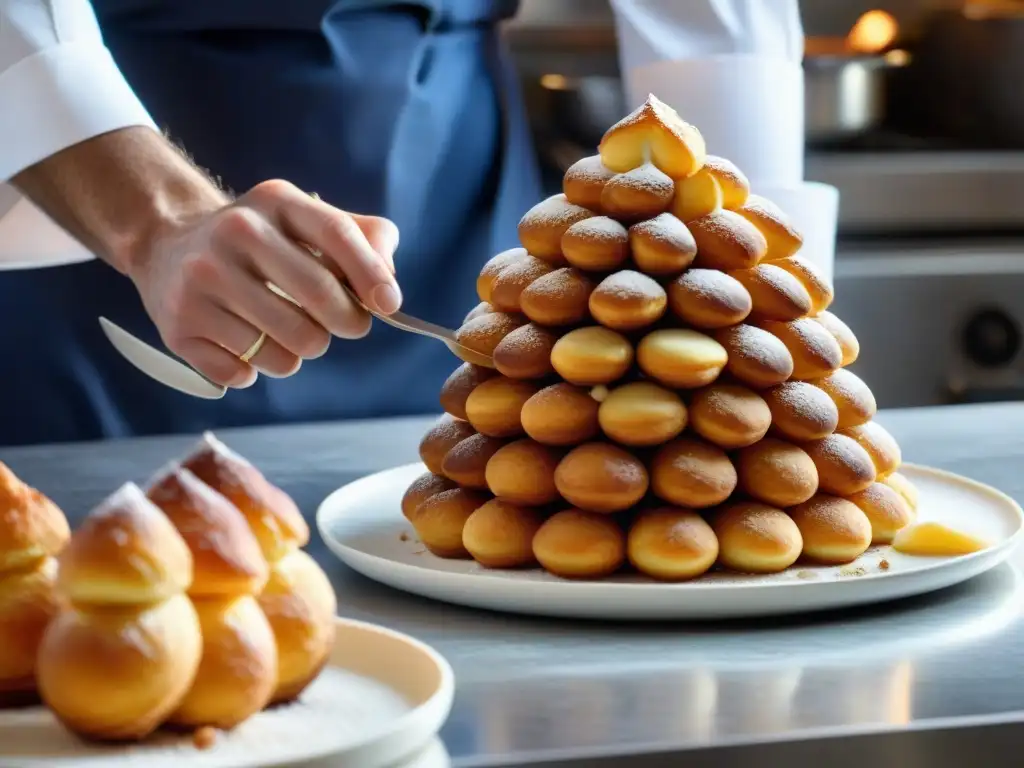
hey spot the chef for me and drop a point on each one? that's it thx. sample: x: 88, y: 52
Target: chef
x: 177, y: 143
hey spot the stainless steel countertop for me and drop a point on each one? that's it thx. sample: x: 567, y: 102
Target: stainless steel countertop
x: 560, y: 693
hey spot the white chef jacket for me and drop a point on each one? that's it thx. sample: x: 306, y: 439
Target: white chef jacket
x: 60, y: 86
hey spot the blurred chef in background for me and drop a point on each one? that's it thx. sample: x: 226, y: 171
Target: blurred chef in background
x: 405, y: 117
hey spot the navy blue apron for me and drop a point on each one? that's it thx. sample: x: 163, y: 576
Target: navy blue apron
x: 407, y: 110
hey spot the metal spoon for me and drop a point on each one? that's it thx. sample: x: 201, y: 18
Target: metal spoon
x: 404, y: 322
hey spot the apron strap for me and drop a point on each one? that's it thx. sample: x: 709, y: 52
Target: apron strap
x: 520, y: 182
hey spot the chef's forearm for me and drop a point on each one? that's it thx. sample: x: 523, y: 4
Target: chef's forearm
x: 115, y: 191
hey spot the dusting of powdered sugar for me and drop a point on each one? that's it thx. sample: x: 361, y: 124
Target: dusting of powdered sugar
x: 629, y: 285
x: 839, y: 517
x: 878, y: 438
x: 791, y: 465
x: 720, y: 166
x: 228, y: 464
x: 481, y: 309
x: 554, y: 213
x: 763, y: 208
x: 211, y: 441
x: 805, y: 401
x: 810, y: 341
x: 471, y: 455
x: 121, y: 515
x: 714, y: 288
x: 638, y: 116
x: 602, y: 468
x: 429, y: 484
x: 807, y: 273
x: 849, y: 386
x: 515, y: 277
x: 759, y: 346
x: 588, y: 170
x: 647, y: 179
x: 482, y: 334
x: 787, y: 290
x: 585, y: 180
x: 726, y: 240
x: 339, y: 711
x: 842, y: 452
x: 449, y: 430
x: 731, y: 402
x: 559, y: 297
x: 654, y: 110
x: 600, y: 230
x: 499, y: 261
x: 525, y: 340
x: 854, y: 399
x: 840, y: 331
x: 564, y: 283
x: 697, y: 464
x: 570, y: 403
x: 768, y: 524
x: 221, y: 467
x: 128, y: 497
x: 668, y: 230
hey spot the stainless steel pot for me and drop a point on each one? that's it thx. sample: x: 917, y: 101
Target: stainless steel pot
x: 844, y: 96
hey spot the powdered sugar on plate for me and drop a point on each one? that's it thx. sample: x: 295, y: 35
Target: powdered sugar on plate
x: 337, y: 712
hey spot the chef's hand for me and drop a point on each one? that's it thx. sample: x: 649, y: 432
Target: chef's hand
x: 204, y: 281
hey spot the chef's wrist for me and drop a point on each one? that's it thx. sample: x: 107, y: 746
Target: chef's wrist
x: 176, y: 195
x: 119, y: 191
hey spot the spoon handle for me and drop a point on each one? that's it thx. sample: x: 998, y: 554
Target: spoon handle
x: 403, y: 321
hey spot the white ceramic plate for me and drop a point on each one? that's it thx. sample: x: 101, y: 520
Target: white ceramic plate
x: 379, y: 702
x: 363, y: 525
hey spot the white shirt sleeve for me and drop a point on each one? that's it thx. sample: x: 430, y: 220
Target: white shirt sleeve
x: 59, y: 86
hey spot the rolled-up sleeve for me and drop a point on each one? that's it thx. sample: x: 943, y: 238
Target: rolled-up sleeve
x: 59, y: 84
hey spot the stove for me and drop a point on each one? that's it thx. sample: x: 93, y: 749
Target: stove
x: 898, y: 184
x: 930, y: 265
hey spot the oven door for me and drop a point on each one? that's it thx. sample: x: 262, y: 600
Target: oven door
x: 936, y: 324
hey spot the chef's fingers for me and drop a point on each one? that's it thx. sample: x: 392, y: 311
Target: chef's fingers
x: 381, y: 233
x: 238, y: 335
x: 250, y: 299
x: 306, y: 281
x: 215, y: 363
x: 336, y: 235
x: 283, y: 320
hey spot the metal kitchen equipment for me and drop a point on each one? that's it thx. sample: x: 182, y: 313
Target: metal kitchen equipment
x: 844, y: 95
x: 967, y: 73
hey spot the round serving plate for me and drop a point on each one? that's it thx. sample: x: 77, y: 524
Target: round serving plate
x: 363, y: 525
x: 379, y: 702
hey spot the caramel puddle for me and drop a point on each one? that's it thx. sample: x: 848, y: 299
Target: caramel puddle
x: 935, y: 540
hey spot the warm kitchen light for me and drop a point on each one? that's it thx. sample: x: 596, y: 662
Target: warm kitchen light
x: 554, y: 82
x: 897, y: 57
x: 873, y: 32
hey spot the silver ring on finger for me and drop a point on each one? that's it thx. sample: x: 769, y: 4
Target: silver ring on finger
x: 254, y: 348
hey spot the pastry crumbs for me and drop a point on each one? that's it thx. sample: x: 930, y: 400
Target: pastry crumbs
x: 204, y: 737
